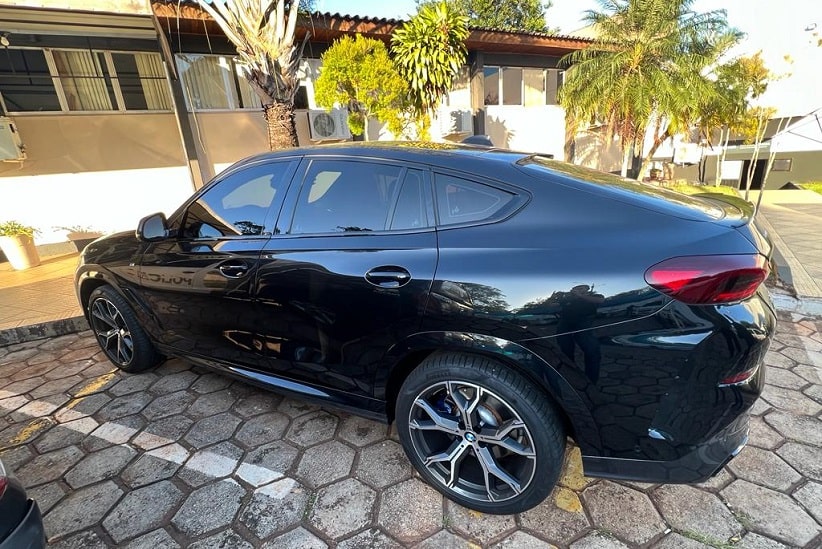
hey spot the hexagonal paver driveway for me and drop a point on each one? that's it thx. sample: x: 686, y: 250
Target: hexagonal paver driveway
x: 180, y: 457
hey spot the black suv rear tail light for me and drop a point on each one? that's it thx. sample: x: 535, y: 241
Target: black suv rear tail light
x: 709, y: 279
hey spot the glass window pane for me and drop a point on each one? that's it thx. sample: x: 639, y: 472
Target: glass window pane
x: 491, y: 77
x: 142, y: 81
x: 511, y: 86
x: 463, y: 201
x: 345, y: 197
x: 208, y: 81
x: 552, y: 78
x: 25, y: 82
x: 239, y: 204
x: 83, y: 77
x: 533, y: 81
x: 410, y: 212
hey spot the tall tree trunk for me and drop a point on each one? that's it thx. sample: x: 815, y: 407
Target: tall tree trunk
x: 282, y: 131
x: 627, y: 156
x: 724, y: 139
x: 646, y: 162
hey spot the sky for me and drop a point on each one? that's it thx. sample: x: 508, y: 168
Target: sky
x: 775, y: 27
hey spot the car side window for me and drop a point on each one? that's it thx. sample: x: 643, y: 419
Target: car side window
x: 345, y: 196
x: 463, y: 201
x: 411, y: 209
x: 237, y: 205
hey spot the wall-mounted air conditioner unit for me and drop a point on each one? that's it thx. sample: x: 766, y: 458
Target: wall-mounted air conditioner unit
x: 455, y: 121
x: 329, y: 125
x: 11, y: 146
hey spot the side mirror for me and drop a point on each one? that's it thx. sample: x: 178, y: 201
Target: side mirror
x: 152, y: 228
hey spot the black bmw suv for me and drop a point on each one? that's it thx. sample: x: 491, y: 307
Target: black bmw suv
x: 490, y: 303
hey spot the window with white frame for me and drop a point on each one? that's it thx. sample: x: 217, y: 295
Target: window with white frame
x: 521, y: 86
x: 70, y: 80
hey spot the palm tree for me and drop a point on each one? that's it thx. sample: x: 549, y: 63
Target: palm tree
x: 648, y: 66
x: 263, y: 33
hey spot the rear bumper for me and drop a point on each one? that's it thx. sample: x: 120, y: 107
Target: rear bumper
x: 699, y: 465
x: 29, y: 534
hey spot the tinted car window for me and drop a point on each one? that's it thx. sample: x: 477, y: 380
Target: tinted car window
x: 463, y: 201
x: 237, y: 205
x: 339, y: 196
x: 410, y: 211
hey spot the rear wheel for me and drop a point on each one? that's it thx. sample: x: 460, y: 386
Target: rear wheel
x: 480, y: 433
x: 119, y: 334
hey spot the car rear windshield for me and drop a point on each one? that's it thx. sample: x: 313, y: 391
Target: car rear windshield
x: 679, y: 204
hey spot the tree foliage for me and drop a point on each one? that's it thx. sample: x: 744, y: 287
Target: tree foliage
x: 509, y: 15
x: 428, y: 51
x: 648, y: 66
x: 358, y: 73
x: 263, y: 32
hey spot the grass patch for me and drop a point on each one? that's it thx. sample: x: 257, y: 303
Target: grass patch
x: 815, y: 186
x: 695, y: 189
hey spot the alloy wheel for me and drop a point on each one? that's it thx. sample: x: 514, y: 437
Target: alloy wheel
x: 472, y: 441
x: 111, y: 331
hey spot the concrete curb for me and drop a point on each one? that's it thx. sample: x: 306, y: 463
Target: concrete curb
x: 797, y: 276
x: 53, y: 328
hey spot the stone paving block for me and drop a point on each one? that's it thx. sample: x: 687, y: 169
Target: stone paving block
x: 132, y: 383
x: 46, y: 495
x: 82, y: 509
x: 810, y: 496
x: 211, y: 404
x: 771, y: 513
x: 275, y: 508
x: 67, y: 369
x: 755, y: 541
x: 101, y: 465
x: 406, y: 526
x: 24, y: 386
x: 373, y: 539
x: 267, y: 463
x: 325, y: 463
x: 157, y: 464
x: 38, y: 408
x: 227, y: 539
x: 598, y: 540
x: 49, y: 467
x: 11, y: 403
x: 678, y: 541
x: 311, y: 429
x: 762, y: 435
x: 209, y: 383
x: 293, y: 407
x: 168, y: 405
x: 142, y: 510
x: 210, y: 463
x: 299, y: 537
x: 522, y: 540
x: 255, y: 404
x: 342, y: 508
x: 173, y: 382
x: 162, y: 432
x: 555, y: 523
x: 624, y: 511
x: 810, y: 373
x: 800, y: 428
x: 444, y: 540
x: 477, y: 526
x: 212, y: 429
x: 66, y: 434
x: 112, y: 433
x: 54, y: 387
x: 785, y: 379
x: 791, y: 401
x: 383, y: 464
x: 82, y: 407
x: 83, y: 540
x: 262, y: 429
x: 158, y: 539
x: 693, y: 511
x: 360, y: 431
x: 16, y: 457
x: 764, y: 468
x: 209, y: 508
x: 24, y: 432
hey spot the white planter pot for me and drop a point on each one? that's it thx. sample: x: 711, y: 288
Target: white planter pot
x: 20, y: 251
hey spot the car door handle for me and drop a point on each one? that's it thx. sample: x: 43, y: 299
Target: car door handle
x: 388, y: 276
x: 234, y: 269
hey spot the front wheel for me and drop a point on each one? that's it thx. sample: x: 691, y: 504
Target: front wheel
x: 480, y: 433
x: 119, y: 334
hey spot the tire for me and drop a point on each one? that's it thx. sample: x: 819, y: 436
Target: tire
x: 118, y: 333
x: 503, y: 455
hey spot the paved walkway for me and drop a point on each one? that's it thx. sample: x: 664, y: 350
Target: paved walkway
x: 180, y: 457
x: 794, y: 220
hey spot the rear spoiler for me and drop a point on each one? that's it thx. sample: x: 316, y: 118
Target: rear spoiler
x: 740, y: 214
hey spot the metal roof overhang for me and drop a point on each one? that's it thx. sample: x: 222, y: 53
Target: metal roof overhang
x: 15, y: 20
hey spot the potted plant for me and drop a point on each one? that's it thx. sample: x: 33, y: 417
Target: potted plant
x: 81, y: 236
x: 17, y: 242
